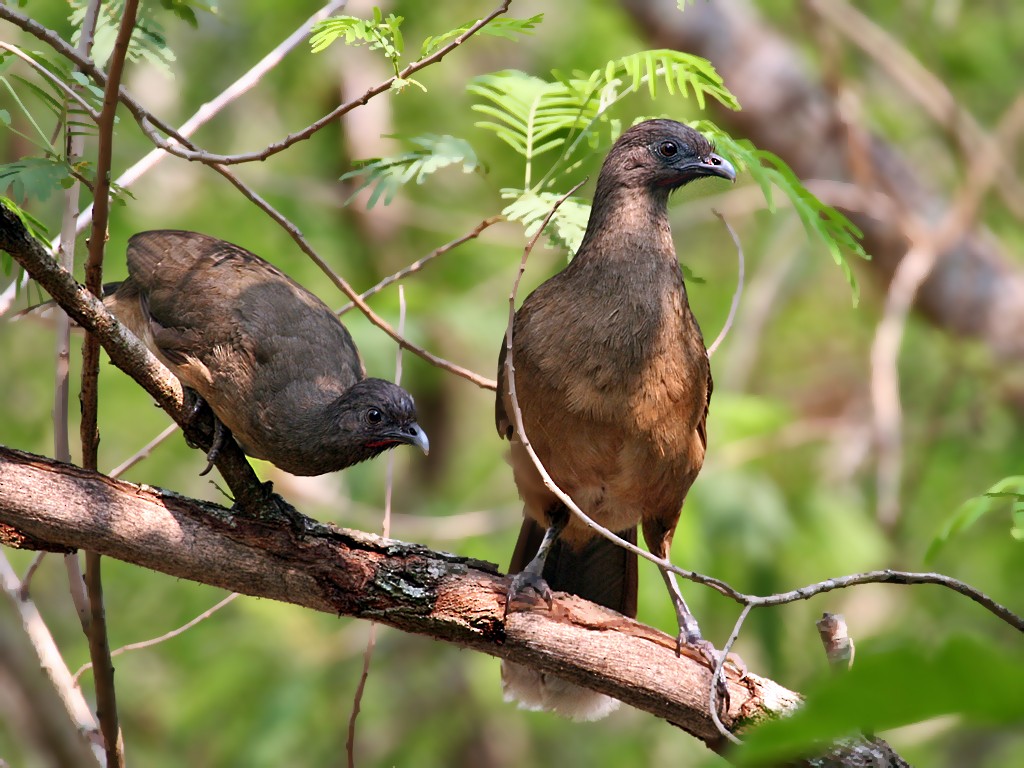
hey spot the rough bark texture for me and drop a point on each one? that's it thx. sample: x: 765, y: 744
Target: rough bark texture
x: 973, y: 290
x: 347, y: 572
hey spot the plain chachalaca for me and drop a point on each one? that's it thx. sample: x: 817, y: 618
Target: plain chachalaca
x: 613, y: 382
x: 275, y: 365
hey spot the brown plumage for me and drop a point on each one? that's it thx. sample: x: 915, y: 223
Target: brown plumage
x: 272, y: 361
x: 613, y: 381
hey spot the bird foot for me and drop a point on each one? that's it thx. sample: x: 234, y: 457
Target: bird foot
x: 219, y: 433
x: 528, y: 580
x: 705, y: 652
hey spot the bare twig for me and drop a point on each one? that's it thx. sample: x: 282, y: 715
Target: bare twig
x: 371, y: 640
x: 720, y: 670
x: 209, y: 158
x: 99, y: 643
x: 343, y: 285
x: 417, y: 265
x: 26, y: 582
x: 739, y: 286
x: 142, y: 644
x: 61, y: 85
x: 50, y: 658
x: 212, y: 107
x: 144, y: 452
x: 74, y: 147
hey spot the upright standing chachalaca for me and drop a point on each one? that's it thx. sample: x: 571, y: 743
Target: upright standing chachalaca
x: 613, y: 381
x: 272, y: 361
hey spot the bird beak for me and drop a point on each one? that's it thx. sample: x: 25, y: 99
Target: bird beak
x: 713, y: 165
x: 413, y: 434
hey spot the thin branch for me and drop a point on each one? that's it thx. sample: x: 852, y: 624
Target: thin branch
x: 209, y: 158
x: 739, y: 286
x: 143, y: 452
x: 148, y: 123
x: 211, y: 108
x: 142, y: 644
x: 371, y: 640
x: 50, y: 659
x: 416, y: 266
x: 720, y: 670
x: 343, y: 285
x: 99, y: 642
x: 68, y: 91
x: 74, y: 150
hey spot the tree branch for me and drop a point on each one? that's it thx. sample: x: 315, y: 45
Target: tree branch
x: 414, y: 589
x: 345, y: 572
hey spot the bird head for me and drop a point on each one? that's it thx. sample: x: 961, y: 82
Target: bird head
x: 662, y: 155
x: 376, y: 415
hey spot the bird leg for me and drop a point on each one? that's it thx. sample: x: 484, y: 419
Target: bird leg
x: 531, y: 577
x: 690, y: 636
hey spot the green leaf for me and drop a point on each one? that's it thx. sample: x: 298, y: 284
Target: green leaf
x: 386, y: 175
x: 500, y: 27
x: 566, y: 227
x: 34, y: 177
x: 972, y: 510
x: 894, y: 686
x: 148, y: 41
x: 821, y: 221
x: 35, y: 227
x: 378, y: 33
x: 570, y: 112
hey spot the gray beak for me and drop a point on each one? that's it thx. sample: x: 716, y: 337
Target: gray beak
x: 716, y: 165
x: 413, y: 434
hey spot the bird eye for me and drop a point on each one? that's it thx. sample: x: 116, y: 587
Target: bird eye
x: 668, y: 149
x: 374, y: 416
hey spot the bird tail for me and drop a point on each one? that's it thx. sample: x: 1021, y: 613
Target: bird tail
x: 601, y: 572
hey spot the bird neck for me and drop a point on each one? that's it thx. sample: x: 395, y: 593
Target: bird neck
x: 626, y: 222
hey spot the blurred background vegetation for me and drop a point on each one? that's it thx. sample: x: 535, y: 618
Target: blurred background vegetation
x: 787, y: 495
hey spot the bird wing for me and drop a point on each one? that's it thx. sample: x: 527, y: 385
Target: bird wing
x: 501, y: 419
x: 702, y: 425
x: 215, y: 303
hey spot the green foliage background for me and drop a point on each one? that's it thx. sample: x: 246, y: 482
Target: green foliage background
x: 786, y: 497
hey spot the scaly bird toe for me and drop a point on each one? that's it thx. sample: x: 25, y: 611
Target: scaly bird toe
x: 528, y: 580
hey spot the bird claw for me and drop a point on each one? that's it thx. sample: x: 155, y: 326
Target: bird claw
x: 524, y: 580
x: 711, y: 656
x: 215, y: 447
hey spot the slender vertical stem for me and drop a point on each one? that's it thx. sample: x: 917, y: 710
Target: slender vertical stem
x: 99, y: 645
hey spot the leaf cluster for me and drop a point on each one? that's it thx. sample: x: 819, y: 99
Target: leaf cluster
x: 553, y: 124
